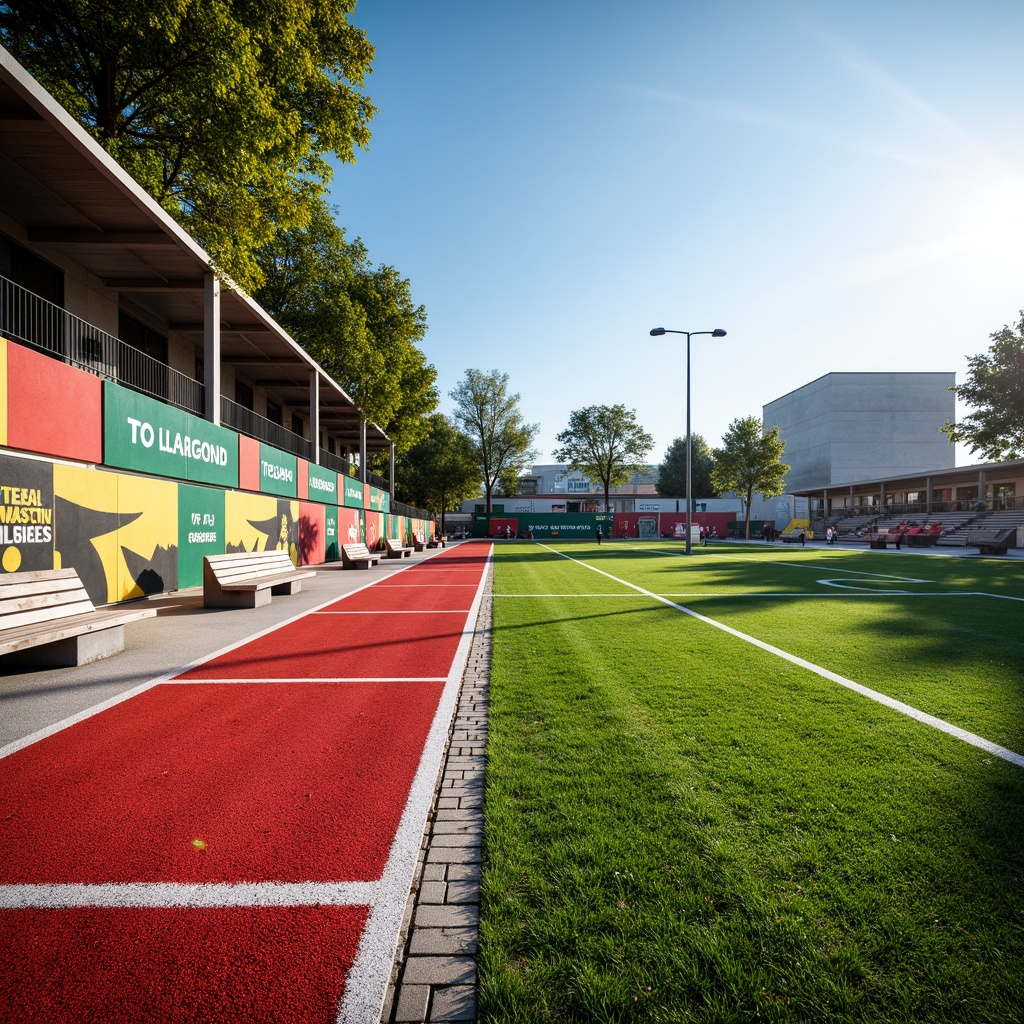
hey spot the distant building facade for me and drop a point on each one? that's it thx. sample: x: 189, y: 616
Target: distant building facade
x: 844, y: 427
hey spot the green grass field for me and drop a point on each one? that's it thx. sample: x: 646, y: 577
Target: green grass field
x: 682, y: 825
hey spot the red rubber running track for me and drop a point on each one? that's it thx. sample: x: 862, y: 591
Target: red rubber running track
x: 236, y: 843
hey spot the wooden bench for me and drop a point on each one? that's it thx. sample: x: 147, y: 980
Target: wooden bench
x: 248, y: 579
x: 48, y: 621
x: 991, y: 542
x: 793, y: 537
x: 437, y: 541
x: 357, y: 556
x: 419, y: 542
x: 396, y: 550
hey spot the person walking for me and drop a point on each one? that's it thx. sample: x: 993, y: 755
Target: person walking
x: 599, y: 535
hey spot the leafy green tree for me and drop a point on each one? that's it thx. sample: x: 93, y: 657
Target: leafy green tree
x: 750, y: 460
x: 605, y: 443
x: 502, y: 441
x: 995, y: 387
x: 225, y: 112
x: 671, y: 482
x: 440, y: 471
x: 358, y: 321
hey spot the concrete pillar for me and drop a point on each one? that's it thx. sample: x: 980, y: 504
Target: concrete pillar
x: 362, y: 450
x: 928, y: 495
x: 211, y: 347
x: 314, y: 417
x: 881, y: 496
x: 981, y: 485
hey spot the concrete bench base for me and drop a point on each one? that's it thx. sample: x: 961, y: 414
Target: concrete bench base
x: 69, y: 652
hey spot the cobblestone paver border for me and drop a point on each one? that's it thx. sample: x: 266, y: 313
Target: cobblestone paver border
x: 434, y: 976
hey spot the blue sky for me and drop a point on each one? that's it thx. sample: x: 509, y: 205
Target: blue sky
x: 840, y: 186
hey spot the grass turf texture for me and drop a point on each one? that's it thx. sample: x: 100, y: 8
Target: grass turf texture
x: 683, y: 827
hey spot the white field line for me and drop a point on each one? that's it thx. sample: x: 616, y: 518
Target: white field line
x: 367, y: 982
x: 826, y: 593
x: 881, y: 698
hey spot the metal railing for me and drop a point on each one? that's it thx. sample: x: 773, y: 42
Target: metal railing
x: 245, y: 421
x: 399, y: 508
x: 33, y: 321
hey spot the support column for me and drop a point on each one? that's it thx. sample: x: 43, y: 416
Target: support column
x: 314, y: 417
x: 211, y: 347
x: 928, y: 495
x: 392, y: 472
x: 362, y: 450
x: 881, y: 496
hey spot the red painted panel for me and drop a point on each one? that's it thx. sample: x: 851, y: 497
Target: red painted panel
x: 248, y: 463
x: 53, y: 408
x: 288, y: 782
x: 163, y: 965
x: 302, y: 480
x: 312, y: 526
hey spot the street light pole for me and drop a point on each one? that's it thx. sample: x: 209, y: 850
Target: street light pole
x: 716, y: 333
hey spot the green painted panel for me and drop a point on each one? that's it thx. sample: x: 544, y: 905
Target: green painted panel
x: 200, y: 531
x: 332, y: 552
x: 143, y: 434
x: 353, y: 496
x: 278, y: 472
x: 323, y: 485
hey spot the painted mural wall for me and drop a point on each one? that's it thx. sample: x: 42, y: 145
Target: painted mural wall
x: 195, y: 489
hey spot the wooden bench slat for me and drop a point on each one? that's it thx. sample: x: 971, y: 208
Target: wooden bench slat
x: 46, y: 613
x: 20, y: 638
x: 266, y: 581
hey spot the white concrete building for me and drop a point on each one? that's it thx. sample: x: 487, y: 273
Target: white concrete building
x: 854, y: 426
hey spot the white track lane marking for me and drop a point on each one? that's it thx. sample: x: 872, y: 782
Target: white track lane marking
x: 181, y: 894
x: 881, y: 698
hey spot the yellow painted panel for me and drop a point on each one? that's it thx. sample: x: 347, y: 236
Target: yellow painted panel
x: 85, y: 528
x: 241, y: 512
x: 147, y: 543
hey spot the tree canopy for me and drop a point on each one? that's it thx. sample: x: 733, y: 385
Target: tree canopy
x: 604, y: 442
x: 440, y: 471
x: 995, y: 387
x: 225, y: 112
x: 750, y: 460
x: 358, y: 321
x: 671, y: 481
x: 502, y: 441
